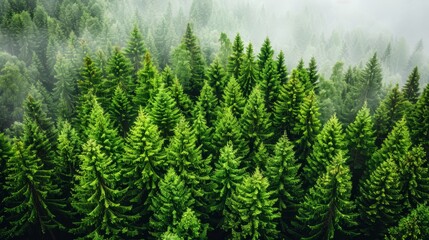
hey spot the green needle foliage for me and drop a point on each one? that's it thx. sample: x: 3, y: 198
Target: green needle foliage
x: 420, y: 121
x: 251, y: 213
x: 121, y: 111
x: 216, y: 78
x: 233, y: 98
x: 413, y: 226
x: 411, y: 88
x: 235, y: 60
x: 135, y: 48
x: 208, y: 102
x: 327, y: 211
x: 281, y: 69
x: 248, y: 72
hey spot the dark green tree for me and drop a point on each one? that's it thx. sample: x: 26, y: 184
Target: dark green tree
x: 381, y: 201
x: 281, y: 68
x: 390, y: 110
x: 286, y: 109
x: 235, y: 60
x: 327, y: 211
x: 97, y: 197
x: 147, y: 82
x: 413, y: 226
x: 31, y: 196
x: 248, y: 72
x: 121, y: 111
x: 282, y: 173
x: 420, y: 121
x: 411, y: 88
x: 168, y: 205
x: 313, y: 73
x: 164, y: 112
x: 233, y: 98
x: 360, y: 139
x: 135, y: 49
x: 303, y: 76
x: 329, y: 143
x: 307, y: 127
x: 203, y: 135
x: 183, y: 102
x: 216, y: 78
x: 89, y: 82
x: 64, y: 92
x: 370, y: 83
x: 265, y: 55
x: 269, y: 84
x: 208, y: 103
x: 250, y: 212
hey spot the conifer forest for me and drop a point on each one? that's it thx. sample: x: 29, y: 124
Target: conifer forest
x: 213, y: 119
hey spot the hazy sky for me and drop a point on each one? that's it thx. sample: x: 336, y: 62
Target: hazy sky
x: 403, y: 18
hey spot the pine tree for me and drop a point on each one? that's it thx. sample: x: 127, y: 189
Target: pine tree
x: 415, y: 176
x: 216, y: 78
x: 228, y: 129
x: 411, y: 88
x: 281, y: 69
x: 64, y: 91
x: 250, y: 211
x: 90, y: 81
x: 413, y: 226
x: 303, y: 76
x: 259, y: 158
x: 420, y: 121
x: 144, y: 159
x: 391, y: 110
x: 312, y: 73
x: 327, y: 211
x: 282, y: 173
x: 183, y: 102
x: 5, y: 154
x: 381, y: 200
x: 395, y: 146
x: 233, y: 98
x: 31, y: 196
x: 135, y: 48
x: 190, y: 227
x: 235, y: 60
x: 203, y: 135
x: 164, y: 112
x: 361, y: 145
x: 121, y: 111
x: 307, y: 127
x: 286, y: 109
x: 225, y: 49
x: 255, y: 121
x: 329, y: 143
x: 370, y: 83
x: 208, y: 102
x: 248, y: 72
x: 269, y: 84
x: 97, y: 197
x: 148, y: 81
x: 169, y: 204
x: 226, y: 176
x: 265, y: 55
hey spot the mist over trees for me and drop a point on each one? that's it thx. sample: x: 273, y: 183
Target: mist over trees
x: 202, y: 119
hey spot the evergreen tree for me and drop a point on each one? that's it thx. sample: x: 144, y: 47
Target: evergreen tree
x: 89, y: 82
x: 395, y: 147
x: 361, y: 145
x: 235, y: 60
x: 250, y: 210
x: 381, y: 200
x: 370, y: 83
x: 303, y: 76
x: 216, y: 78
x: 233, y: 98
x: 281, y: 69
x: 203, y: 135
x: 64, y: 91
x: 329, y: 143
x: 411, y: 88
x: 228, y: 129
x: 208, y: 103
x: 121, y: 111
x: 135, y: 48
x: 5, y: 154
x: 225, y: 49
x: 226, y: 176
x: 248, y: 72
x: 327, y: 211
x: 31, y: 196
x: 255, y: 121
x: 415, y: 176
x: 282, y: 173
x: 307, y: 127
x: 312, y: 73
x: 265, y: 55
x: 420, y: 121
x: 413, y: 226
x: 97, y: 197
x: 269, y: 84
x: 164, y: 112
x: 168, y: 205
x: 183, y: 102
x: 190, y: 227
x: 147, y: 82
x: 391, y: 110
x: 286, y: 109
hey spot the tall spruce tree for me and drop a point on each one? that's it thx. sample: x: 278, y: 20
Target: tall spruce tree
x: 217, y: 78
x: 135, y: 49
x: 183, y: 102
x: 411, y: 88
x: 420, y: 121
x: 203, y: 135
x: 148, y: 81
x: 269, y: 84
x: 413, y: 226
x: 370, y: 83
x: 327, y: 211
x: 329, y: 143
x: 97, y: 197
x: 248, y: 72
x: 251, y: 213
x: 312, y: 73
x: 235, y: 60
x: 302, y: 75
x: 265, y: 55
x: 281, y: 68
x: 233, y: 98
x: 282, y: 173
x: 208, y: 103
x: 120, y: 110
x: 169, y: 204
